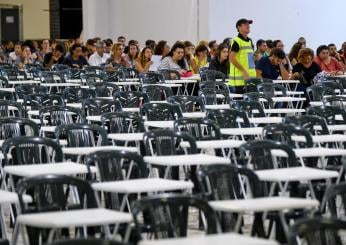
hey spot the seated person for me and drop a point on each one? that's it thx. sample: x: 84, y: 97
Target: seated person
x: 117, y: 59
x: 16, y: 53
x: 25, y: 58
x: 55, y: 57
x: 306, y: 69
x: 75, y: 59
x: 333, y: 52
x: 144, y: 62
x: 175, y: 59
x: 261, y: 50
x: 328, y: 63
x: 99, y: 57
x: 132, y: 55
x: 200, y: 59
x: 272, y: 66
x: 220, y: 62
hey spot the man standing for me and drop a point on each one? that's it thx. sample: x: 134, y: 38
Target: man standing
x: 242, y: 65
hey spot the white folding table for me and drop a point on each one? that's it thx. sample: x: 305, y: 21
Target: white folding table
x: 257, y: 131
x: 282, y: 177
x: 184, y: 83
x: 263, y: 204
x: 71, y: 218
x: 137, y: 186
x: 159, y: 124
x: 184, y: 160
x: 6, y: 198
x: 216, y: 239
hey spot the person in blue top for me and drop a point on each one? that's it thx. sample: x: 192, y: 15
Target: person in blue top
x: 272, y: 66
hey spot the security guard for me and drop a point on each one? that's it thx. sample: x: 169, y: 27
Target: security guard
x: 242, y: 65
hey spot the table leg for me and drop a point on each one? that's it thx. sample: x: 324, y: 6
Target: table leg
x: 3, y: 224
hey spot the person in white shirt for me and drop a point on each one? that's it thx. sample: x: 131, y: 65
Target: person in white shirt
x: 16, y: 53
x: 99, y: 57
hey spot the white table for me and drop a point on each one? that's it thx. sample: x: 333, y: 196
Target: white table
x: 282, y: 176
x: 312, y: 152
x: 81, y: 151
x: 12, y: 90
x: 325, y: 138
x: 148, y: 185
x: 207, y: 145
x: 126, y: 136
x: 218, y: 107
x: 289, y: 101
x: 64, y: 168
x: 21, y: 82
x: 6, y: 198
x: 72, y: 218
x: 264, y: 204
x: 263, y: 120
x: 185, y: 160
x: 242, y: 131
x: 194, y: 114
x: 287, y: 83
x: 217, y: 239
x: 284, y: 111
x: 159, y: 124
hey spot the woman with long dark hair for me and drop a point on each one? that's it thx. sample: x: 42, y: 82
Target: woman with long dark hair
x: 175, y: 59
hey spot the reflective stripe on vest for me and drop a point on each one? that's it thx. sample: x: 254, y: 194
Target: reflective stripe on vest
x: 245, y: 57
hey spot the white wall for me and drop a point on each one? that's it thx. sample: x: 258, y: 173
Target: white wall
x: 169, y: 20
x: 319, y: 21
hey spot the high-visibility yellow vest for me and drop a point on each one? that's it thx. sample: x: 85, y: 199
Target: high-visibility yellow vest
x: 245, y: 57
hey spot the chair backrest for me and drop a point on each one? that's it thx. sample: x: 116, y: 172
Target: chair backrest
x: 212, y: 92
x: 151, y: 78
x: 7, y: 95
x: 162, y: 142
x: 284, y: 132
x: 187, y: 103
x: 335, y: 198
x: 127, y: 73
x: 75, y: 95
x: 82, y: 135
x: 3, y: 82
x: 266, y: 101
x: 10, y: 108
x: 170, y: 74
x: 98, y: 106
x: 269, y: 89
x: 132, y: 99
x: 122, y: 122
x: 211, y: 75
x: 251, y: 108
x: 157, y: 92
x: 314, y: 124
x: 161, y: 111
x: 317, y: 231
x: 200, y: 128
x: 87, y: 241
x: 332, y: 114
x: 26, y: 89
x: 317, y: 92
x: 88, y: 78
x: 60, y: 115
x: 251, y: 84
x: 55, y: 193
x: 48, y: 76
x: 31, y: 149
x: 229, y: 118
x: 260, y: 154
x: 168, y: 215
x: 225, y: 182
x: 116, y: 165
x: 333, y: 85
x: 104, y: 89
x: 14, y: 126
x: 37, y: 101
x: 336, y: 100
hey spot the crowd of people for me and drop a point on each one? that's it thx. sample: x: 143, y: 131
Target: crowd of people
x: 238, y: 58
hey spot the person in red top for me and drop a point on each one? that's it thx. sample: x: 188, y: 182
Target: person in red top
x: 328, y: 63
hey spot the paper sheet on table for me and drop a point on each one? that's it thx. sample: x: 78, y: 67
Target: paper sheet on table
x: 156, y: 59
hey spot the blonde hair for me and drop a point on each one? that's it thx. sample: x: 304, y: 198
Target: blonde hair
x: 116, y: 45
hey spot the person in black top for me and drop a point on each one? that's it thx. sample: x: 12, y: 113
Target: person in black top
x: 306, y: 69
x: 220, y: 62
x: 55, y: 57
x: 75, y: 58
